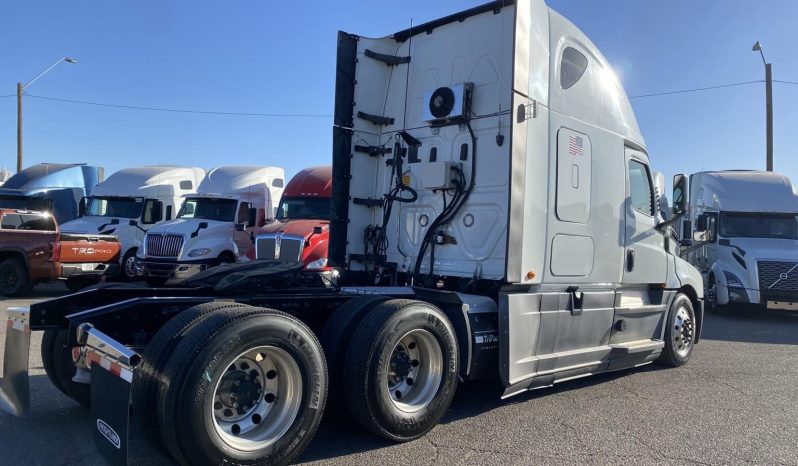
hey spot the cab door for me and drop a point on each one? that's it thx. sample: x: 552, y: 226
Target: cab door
x: 242, y: 235
x: 645, y: 259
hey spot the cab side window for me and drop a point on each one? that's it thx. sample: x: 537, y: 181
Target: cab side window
x: 152, y: 212
x: 243, y: 213
x: 640, y: 192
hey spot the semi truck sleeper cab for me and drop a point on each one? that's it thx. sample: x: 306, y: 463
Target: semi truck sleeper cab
x: 493, y: 214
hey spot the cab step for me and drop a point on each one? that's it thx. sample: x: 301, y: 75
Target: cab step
x: 639, y: 346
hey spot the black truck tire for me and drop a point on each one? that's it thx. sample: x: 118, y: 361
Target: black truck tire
x: 335, y: 338
x: 14, y: 280
x: 273, y: 356
x: 147, y: 376
x: 401, y: 369
x: 48, y: 350
x: 680, y: 330
x: 60, y: 368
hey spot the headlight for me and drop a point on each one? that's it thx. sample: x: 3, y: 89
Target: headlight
x: 317, y: 264
x: 732, y: 280
x: 198, y: 252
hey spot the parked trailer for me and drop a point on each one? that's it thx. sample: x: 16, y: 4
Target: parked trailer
x: 493, y: 213
x: 751, y: 254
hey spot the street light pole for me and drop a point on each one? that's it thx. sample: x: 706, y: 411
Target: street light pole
x: 20, y: 89
x: 768, y: 106
x: 769, y: 115
x: 19, y: 127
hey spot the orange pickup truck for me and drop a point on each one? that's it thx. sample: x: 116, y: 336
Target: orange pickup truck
x: 32, y: 251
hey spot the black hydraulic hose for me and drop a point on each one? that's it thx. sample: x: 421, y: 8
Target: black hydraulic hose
x: 455, y: 205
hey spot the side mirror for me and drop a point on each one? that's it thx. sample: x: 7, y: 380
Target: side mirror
x: 679, y: 194
x: 202, y: 225
x: 82, y: 207
x: 240, y: 227
x: 133, y: 222
x: 318, y: 230
x: 704, y: 236
x: 114, y: 221
x: 253, y: 217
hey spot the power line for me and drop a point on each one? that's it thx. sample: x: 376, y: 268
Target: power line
x: 178, y: 110
x: 695, y: 89
x: 319, y: 115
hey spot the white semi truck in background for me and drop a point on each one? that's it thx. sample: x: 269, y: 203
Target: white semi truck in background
x: 212, y: 225
x: 493, y: 215
x: 130, y: 202
x: 750, y: 256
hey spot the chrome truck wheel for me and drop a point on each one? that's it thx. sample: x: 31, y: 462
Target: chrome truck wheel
x: 257, y: 399
x: 246, y: 386
x: 683, y: 331
x: 414, y: 371
x: 401, y: 369
x: 680, y: 332
x: 129, y: 266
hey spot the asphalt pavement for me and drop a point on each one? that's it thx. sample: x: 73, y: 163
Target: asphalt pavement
x: 735, y: 402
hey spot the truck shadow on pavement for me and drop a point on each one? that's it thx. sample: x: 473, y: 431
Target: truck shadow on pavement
x: 337, y: 438
x: 59, y: 431
x: 752, y: 326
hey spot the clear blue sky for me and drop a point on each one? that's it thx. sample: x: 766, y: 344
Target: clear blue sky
x: 268, y: 56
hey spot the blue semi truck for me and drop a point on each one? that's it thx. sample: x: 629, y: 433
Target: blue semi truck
x: 52, y: 187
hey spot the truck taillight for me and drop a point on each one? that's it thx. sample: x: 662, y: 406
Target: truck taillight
x: 55, y: 251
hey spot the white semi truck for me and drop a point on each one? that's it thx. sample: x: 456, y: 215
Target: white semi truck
x: 130, y: 202
x: 493, y: 215
x: 750, y: 256
x: 211, y: 226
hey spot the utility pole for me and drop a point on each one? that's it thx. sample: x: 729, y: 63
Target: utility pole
x: 768, y: 106
x: 769, y: 116
x: 19, y: 127
x: 20, y: 88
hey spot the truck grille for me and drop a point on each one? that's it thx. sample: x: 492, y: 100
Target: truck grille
x: 164, y: 245
x: 778, y: 276
x: 287, y: 248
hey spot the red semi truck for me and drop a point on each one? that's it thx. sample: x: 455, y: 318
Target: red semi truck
x: 301, y: 229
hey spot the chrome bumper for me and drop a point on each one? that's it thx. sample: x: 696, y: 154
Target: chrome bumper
x: 89, y: 268
x: 169, y: 270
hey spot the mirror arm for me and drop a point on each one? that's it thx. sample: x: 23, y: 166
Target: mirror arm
x: 661, y: 226
x: 693, y: 247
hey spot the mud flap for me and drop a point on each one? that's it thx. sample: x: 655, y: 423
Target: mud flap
x: 110, y: 408
x: 15, y: 387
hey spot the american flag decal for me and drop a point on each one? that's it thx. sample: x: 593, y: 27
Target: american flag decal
x: 575, y: 145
